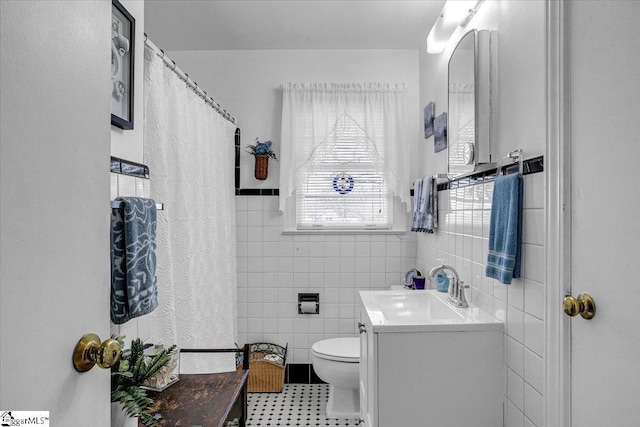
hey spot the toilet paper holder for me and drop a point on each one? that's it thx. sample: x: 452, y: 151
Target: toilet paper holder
x: 308, y: 303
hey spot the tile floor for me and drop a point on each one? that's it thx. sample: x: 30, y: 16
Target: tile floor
x: 297, y: 405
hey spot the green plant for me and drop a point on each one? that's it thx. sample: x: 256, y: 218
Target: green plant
x: 261, y: 148
x: 133, y: 369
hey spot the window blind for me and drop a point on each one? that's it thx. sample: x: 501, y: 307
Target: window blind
x: 344, y: 186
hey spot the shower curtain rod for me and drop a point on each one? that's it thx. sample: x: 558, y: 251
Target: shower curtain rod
x: 190, y: 83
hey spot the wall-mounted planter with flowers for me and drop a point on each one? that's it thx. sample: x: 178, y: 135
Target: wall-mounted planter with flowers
x: 261, y: 151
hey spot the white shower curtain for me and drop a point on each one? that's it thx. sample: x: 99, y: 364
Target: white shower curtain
x: 190, y: 152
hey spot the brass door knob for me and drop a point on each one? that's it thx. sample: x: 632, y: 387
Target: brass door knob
x: 91, y: 351
x: 584, y: 305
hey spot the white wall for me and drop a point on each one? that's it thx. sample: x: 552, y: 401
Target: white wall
x: 246, y: 83
x: 54, y: 245
x: 520, y: 107
x: 462, y: 239
x: 273, y: 268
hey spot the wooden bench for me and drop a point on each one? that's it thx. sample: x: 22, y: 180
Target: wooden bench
x: 205, y: 400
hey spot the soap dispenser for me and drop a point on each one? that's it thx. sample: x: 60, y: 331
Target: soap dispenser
x: 442, y: 282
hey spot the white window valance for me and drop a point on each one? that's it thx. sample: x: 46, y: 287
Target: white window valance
x: 376, y: 114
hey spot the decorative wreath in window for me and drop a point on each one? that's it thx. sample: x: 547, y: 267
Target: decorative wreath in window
x: 343, y: 183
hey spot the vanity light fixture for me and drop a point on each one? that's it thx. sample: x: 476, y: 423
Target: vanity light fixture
x: 454, y: 14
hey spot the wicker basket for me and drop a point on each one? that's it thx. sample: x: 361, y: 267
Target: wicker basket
x: 261, y: 169
x: 266, y: 368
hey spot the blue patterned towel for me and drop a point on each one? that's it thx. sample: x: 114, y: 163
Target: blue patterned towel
x: 425, y: 205
x: 416, y: 223
x: 505, y: 229
x: 430, y: 223
x: 133, y: 259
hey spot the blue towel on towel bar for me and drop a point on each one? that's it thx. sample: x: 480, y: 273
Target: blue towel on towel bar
x: 505, y: 232
x: 133, y: 259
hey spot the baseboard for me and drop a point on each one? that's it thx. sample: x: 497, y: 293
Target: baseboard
x: 301, y: 373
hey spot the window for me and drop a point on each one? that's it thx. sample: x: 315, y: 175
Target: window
x: 344, y: 186
x: 343, y: 158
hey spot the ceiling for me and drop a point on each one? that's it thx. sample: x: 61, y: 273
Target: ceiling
x: 289, y: 24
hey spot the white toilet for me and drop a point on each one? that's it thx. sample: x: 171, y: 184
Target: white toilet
x: 337, y: 362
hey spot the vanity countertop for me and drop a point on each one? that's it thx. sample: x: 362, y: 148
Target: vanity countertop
x: 423, y: 311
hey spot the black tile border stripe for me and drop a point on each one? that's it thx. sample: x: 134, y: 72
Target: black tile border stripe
x: 237, y: 165
x: 139, y: 170
x: 301, y: 373
x: 127, y: 167
x: 257, y: 192
x: 248, y: 191
x: 529, y: 166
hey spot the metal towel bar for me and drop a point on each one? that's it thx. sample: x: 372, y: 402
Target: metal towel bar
x: 118, y: 204
x: 514, y: 156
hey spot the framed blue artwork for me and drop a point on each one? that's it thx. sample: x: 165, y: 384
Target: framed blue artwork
x: 440, y: 132
x: 429, y: 112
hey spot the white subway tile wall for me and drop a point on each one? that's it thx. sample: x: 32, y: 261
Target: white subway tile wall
x: 462, y: 242
x: 273, y: 268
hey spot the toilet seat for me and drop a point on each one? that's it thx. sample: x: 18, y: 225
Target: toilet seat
x: 338, y: 349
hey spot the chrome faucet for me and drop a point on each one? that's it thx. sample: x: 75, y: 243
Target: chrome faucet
x: 456, y: 287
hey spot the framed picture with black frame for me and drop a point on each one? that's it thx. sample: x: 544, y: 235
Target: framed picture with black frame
x: 429, y: 112
x: 123, y: 36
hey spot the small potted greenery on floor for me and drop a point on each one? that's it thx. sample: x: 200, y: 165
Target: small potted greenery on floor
x: 130, y: 374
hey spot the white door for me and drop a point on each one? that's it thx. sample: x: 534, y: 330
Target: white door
x: 54, y: 206
x: 605, y: 134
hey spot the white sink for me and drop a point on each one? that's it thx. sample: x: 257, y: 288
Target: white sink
x: 415, y: 306
x: 423, y: 310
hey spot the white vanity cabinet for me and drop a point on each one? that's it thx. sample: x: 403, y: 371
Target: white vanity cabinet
x: 429, y: 373
x: 367, y: 370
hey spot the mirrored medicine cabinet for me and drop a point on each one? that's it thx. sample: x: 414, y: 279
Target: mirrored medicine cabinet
x: 471, y: 93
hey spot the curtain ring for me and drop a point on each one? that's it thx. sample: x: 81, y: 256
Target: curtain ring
x: 174, y: 65
x: 162, y: 53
